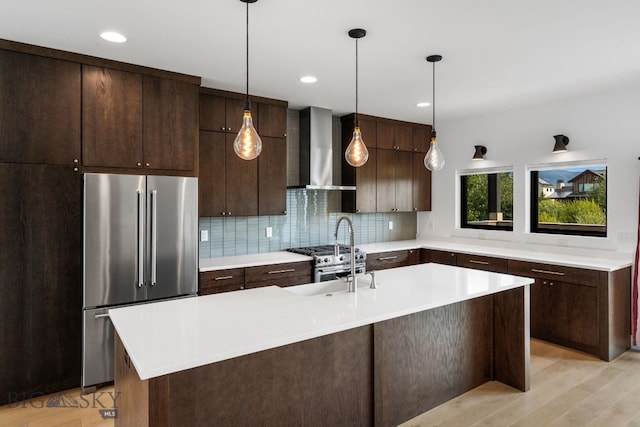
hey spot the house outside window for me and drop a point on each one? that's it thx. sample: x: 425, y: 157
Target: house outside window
x: 570, y: 200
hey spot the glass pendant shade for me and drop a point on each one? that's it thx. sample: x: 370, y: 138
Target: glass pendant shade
x: 434, y: 159
x: 356, y: 153
x: 247, y: 144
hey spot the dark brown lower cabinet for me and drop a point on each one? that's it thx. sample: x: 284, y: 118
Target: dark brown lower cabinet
x: 284, y: 274
x: 565, y: 313
x: 381, y: 374
x: 392, y: 259
x: 215, y: 282
x: 234, y: 279
x: 40, y: 280
x: 439, y: 257
x: 587, y: 310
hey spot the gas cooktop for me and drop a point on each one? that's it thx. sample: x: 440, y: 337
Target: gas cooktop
x: 322, y: 250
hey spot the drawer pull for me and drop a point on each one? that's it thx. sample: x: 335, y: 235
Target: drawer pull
x: 555, y: 273
x: 286, y: 270
x: 224, y: 278
x: 473, y: 261
x: 387, y: 258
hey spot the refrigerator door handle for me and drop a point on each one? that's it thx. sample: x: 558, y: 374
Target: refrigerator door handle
x: 154, y: 237
x: 140, y: 238
x: 101, y: 316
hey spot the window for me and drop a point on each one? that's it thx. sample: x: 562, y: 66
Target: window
x: 572, y: 201
x: 487, y: 201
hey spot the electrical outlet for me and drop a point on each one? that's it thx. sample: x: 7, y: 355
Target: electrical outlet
x: 269, y: 232
x: 563, y: 242
x: 431, y: 224
x: 390, y: 225
x: 204, y: 235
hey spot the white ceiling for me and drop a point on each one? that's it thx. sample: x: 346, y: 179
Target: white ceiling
x: 498, y: 54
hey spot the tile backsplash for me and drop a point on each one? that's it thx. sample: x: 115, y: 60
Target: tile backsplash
x: 309, y: 221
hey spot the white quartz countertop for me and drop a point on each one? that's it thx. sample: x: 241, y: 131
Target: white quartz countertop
x: 239, y: 261
x: 171, y: 336
x: 568, y: 257
x: 565, y: 256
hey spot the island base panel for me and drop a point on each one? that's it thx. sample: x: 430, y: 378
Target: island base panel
x: 427, y: 358
x: 322, y: 381
x: 512, y: 349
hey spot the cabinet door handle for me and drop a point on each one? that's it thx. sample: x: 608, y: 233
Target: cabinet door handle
x: 387, y: 258
x: 555, y: 273
x: 223, y: 278
x: 286, y: 270
x: 473, y: 261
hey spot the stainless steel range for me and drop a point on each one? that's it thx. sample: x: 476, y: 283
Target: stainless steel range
x: 328, y: 265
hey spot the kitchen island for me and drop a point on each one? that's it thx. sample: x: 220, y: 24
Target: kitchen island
x: 318, y: 355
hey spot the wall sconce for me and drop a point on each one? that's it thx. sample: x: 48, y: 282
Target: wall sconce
x: 481, y: 150
x: 561, y: 143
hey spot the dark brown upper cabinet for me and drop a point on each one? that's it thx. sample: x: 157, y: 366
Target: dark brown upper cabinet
x: 223, y: 114
x: 392, y: 135
x: 394, y: 181
x: 394, y: 178
x: 137, y: 121
x: 421, y: 138
x: 368, y: 128
x: 227, y: 185
x: 39, y: 109
x: 111, y: 118
x: 241, y: 187
x: 272, y: 176
x: 421, y: 184
x: 363, y: 200
x: 170, y: 120
x: 273, y: 120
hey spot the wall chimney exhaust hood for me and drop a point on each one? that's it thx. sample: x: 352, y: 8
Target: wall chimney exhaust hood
x: 316, y: 150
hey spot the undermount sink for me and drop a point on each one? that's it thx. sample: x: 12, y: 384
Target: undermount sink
x: 329, y: 287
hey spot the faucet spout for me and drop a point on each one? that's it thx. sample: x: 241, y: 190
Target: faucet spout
x: 353, y: 285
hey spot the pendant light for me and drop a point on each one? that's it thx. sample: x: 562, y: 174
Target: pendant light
x: 434, y: 160
x: 356, y: 153
x: 247, y: 144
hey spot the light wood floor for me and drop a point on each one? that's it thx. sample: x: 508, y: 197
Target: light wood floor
x: 568, y: 388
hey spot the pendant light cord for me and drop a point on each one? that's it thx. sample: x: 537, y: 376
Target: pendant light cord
x: 355, y: 120
x: 247, y: 103
x: 433, y: 95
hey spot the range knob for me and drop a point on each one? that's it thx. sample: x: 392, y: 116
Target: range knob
x: 326, y: 260
x: 341, y: 258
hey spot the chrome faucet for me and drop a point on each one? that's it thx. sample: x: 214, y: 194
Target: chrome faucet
x: 353, y: 285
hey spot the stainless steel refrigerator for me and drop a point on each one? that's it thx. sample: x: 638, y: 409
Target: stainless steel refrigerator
x: 140, y: 245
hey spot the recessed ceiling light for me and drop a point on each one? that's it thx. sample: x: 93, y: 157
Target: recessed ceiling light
x: 308, y: 79
x: 423, y: 104
x: 114, y: 37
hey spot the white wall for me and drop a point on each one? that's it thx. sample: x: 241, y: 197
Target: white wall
x: 600, y: 125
